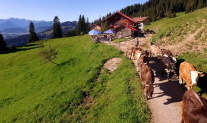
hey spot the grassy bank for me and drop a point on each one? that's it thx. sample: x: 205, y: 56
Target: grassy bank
x: 77, y: 90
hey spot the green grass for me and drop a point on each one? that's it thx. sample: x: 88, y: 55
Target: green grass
x: 181, y: 25
x: 74, y: 91
x: 120, y: 40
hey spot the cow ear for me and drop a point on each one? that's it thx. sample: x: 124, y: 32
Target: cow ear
x: 201, y: 74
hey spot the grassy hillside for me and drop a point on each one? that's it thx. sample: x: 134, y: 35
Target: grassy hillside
x: 189, y: 33
x: 77, y: 90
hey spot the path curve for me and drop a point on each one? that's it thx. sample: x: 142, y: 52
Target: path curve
x: 165, y: 103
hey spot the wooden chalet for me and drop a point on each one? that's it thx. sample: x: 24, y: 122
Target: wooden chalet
x: 95, y: 27
x: 144, y: 20
x: 123, y: 25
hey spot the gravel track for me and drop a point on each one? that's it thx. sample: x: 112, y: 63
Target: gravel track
x: 165, y: 103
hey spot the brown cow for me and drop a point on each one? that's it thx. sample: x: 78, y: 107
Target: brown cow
x: 138, y: 53
x: 194, y: 108
x: 134, y: 50
x: 154, y: 50
x: 131, y: 45
x: 147, y: 78
x: 189, y: 73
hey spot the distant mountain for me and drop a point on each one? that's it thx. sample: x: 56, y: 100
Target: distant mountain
x: 8, y: 24
x: 14, y: 30
x: 24, y: 23
x: 14, y: 27
x: 47, y: 34
x: 40, y: 25
x: 41, y: 28
x: 65, y: 26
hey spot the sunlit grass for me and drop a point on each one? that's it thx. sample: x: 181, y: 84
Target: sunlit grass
x: 32, y: 91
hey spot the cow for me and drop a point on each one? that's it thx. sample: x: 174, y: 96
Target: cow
x: 168, y: 65
x: 147, y: 78
x: 143, y: 59
x: 194, y: 108
x: 139, y: 53
x: 130, y: 46
x: 135, y: 50
x: 168, y: 53
x: 189, y: 73
x: 155, y: 50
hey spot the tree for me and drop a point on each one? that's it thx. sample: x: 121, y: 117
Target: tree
x: 57, y: 31
x: 48, y: 54
x: 105, y: 26
x: 2, y: 44
x: 32, y: 35
x: 82, y: 25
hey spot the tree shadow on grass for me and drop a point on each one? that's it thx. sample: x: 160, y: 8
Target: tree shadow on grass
x: 22, y: 48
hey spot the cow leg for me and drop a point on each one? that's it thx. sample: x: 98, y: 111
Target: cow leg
x: 145, y: 92
x: 180, y: 80
x: 126, y: 53
x: 182, y: 121
x: 168, y: 76
x: 162, y: 72
x: 132, y: 55
x: 136, y: 65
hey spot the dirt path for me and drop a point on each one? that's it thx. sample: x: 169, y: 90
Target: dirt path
x: 182, y: 46
x: 165, y: 104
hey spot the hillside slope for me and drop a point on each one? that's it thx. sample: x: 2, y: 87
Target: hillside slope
x: 186, y: 30
x: 77, y: 90
x: 186, y: 36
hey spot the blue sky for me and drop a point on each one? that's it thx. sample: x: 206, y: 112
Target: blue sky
x: 66, y: 10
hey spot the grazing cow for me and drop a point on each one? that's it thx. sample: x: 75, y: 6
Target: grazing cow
x: 147, y: 78
x: 154, y: 50
x: 189, y: 73
x: 194, y: 108
x: 168, y: 53
x: 168, y: 65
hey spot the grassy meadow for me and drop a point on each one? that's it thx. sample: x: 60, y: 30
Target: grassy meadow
x: 175, y: 30
x: 77, y: 90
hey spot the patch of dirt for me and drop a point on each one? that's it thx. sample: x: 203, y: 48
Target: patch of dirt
x: 88, y: 101
x: 112, y: 64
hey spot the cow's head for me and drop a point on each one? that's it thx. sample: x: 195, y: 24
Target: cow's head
x: 174, y: 59
x: 195, y: 76
x: 149, y: 89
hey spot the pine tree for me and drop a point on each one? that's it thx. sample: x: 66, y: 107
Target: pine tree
x: 57, y: 31
x: 87, y: 25
x: 2, y: 44
x: 105, y: 26
x: 32, y: 35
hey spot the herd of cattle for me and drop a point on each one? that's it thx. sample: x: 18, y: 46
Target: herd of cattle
x: 194, y: 107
